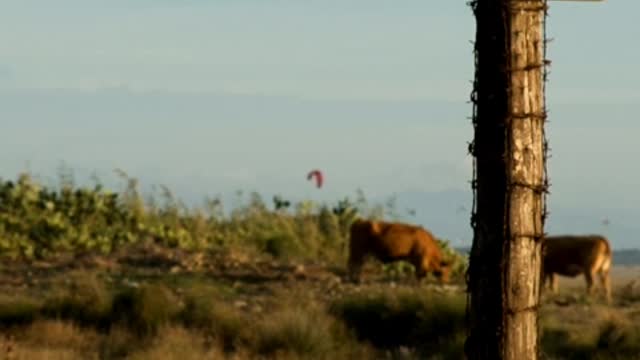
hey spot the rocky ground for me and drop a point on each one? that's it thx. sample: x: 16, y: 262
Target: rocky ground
x: 248, y: 281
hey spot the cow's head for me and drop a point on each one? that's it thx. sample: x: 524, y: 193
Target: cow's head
x: 441, y: 269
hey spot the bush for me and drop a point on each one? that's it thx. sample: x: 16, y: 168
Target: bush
x: 203, y: 311
x: 41, y: 222
x: 614, y: 338
x: 175, y: 343
x: 458, y: 261
x: 305, y: 333
x: 60, y: 334
x: 18, y: 310
x: 147, y: 308
x: 618, y: 337
x: 280, y: 245
x: 428, y: 322
x: 84, y: 299
x: 118, y: 343
x: 38, y: 221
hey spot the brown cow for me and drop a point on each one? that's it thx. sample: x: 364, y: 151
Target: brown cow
x: 572, y: 255
x: 389, y: 242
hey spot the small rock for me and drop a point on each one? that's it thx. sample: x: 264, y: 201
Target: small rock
x: 175, y: 269
x: 404, y: 351
x: 130, y: 283
x: 240, y: 304
x: 299, y: 272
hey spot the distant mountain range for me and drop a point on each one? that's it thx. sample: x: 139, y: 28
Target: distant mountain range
x: 623, y: 257
x: 626, y: 257
x: 447, y: 214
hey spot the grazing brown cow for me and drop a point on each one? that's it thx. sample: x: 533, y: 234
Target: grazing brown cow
x: 389, y: 242
x: 572, y: 255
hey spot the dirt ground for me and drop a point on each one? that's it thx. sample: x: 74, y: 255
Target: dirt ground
x: 255, y: 284
x: 249, y: 281
x: 254, y: 278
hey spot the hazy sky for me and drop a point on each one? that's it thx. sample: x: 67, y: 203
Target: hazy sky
x: 213, y: 96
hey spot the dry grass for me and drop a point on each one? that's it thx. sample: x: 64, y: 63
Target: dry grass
x: 52, y: 339
x: 60, y: 335
x: 428, y: 324
x: 614, y: 337
x: 119, y: 342
x: 17, y: 309
x: 203, y: 310
x: 299, y: 331
x: 82, y: 297
x: 198, y: 317
x: 147, y: 308
x: 27, y: 353
x: 177, y: 343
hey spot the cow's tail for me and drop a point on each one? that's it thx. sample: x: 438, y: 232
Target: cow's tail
x: 606, y: 256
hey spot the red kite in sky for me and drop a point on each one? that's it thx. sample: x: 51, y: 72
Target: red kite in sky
x: 318, y: 175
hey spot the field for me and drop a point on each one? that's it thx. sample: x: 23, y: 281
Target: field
x: 153, y: 303
x: 87, y: 274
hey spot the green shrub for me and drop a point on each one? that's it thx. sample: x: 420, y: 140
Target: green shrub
x: 42, y: 221
x: 458, y: 261
x: 204, y: 311
x: 84, y: 299
x: 147, y: 308
x: 18, y: 310
x: 280, y: 245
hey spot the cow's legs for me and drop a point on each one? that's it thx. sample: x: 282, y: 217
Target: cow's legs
x: 356, y: 260
x: 553, y: 283
x: 545, y: 282
x: 606, y: 284
x: 588, y: 277
x: 419, y: 269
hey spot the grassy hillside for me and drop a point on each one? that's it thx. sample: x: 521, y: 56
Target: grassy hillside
x: 40, y: 222
x: 92, y: 274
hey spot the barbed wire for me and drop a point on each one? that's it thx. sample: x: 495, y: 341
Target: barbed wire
x: 541, y: 189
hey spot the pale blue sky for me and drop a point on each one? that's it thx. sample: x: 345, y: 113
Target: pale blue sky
x: 213, y: 96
